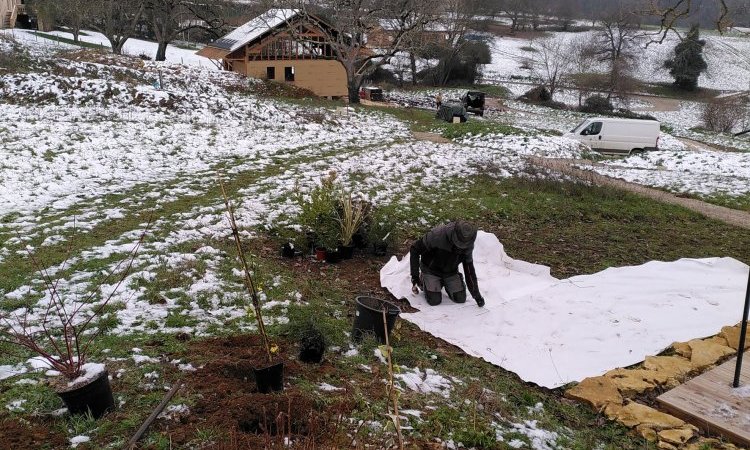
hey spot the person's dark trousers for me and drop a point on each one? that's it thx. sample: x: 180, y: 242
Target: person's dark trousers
x: 454, y: 285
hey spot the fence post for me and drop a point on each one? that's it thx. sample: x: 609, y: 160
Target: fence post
x: 743, y: 334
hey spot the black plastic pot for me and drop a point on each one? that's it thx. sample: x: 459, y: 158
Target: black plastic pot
x: 347, y: 251
x: 369, y: 318
x: 333, y: 256
x: 287, y: 250
x: 95, y: 397
x: 380, y: 248
x: 312, y: 347
x: 270, y: 379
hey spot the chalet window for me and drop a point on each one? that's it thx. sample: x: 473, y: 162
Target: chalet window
x: 289, y: 73
x: 271, y: 73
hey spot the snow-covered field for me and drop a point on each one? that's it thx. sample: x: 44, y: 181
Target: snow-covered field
x: 703, y: 173
x: 82, y: 149
x: 133, y: 47
x: 726, y: 56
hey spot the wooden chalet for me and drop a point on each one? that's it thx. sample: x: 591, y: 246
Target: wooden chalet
x: 282, y: 46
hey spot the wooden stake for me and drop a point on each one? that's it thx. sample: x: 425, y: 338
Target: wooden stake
x: 154, y: 414
x: 391, y: 388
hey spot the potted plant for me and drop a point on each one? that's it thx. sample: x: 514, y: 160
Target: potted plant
x: 351, y: 215
x: 270, y: 375
x: 318, y: 216
x: 62, y: 334
x: 381, y: 232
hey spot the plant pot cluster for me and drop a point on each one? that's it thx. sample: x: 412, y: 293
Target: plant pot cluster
x: 338, y: 223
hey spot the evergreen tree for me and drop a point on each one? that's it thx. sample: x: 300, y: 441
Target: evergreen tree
x: 688, y: 63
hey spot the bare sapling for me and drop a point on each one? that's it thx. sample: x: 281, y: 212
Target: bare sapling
x: 249, y: 282
x: 392, y: 392
x: 62, y: 335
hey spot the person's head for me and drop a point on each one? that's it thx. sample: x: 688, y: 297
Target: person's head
x: 464, y: 234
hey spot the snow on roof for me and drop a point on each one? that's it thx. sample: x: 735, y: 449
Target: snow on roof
x: 254, y: 29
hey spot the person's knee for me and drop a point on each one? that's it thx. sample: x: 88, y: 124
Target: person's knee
x: 458, y: 297
x: 433, y: 298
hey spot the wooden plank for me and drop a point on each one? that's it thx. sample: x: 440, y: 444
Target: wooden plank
x: 709, y: 402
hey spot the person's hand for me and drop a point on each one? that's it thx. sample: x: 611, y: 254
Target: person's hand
x: 414, y: 289
x: 480, y: 301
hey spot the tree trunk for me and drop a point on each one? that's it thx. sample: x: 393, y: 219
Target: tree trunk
x: 76, y: 34
x: 353, y: 86
x: 161, y: 51
x: 413, y: 61
x: 117, y: 45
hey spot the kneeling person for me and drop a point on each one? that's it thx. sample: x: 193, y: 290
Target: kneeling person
x: 437, y: 255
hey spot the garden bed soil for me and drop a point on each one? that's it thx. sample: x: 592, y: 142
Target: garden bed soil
x: 228, y: 401
x: 24, y: 435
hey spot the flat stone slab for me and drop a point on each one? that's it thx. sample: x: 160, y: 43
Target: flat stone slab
x: 709, y: 402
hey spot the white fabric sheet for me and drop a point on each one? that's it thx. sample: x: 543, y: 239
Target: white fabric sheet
x: 552, y: 332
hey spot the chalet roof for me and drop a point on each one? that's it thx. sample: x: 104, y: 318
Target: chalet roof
x: 249, y: 32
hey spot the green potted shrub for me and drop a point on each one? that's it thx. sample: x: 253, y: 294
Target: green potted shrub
x: 318, y: 215
x: 382, y: 231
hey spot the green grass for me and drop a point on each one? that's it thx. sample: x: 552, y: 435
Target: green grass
x: 63, y: 40
x: 424, y: 121
x: 669, y: 90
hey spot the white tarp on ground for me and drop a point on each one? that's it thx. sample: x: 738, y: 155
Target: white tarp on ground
x: 552, y: 332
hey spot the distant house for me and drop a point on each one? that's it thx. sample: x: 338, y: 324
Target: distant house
x: 386, y: 31
x: 9, y: 11
x: 17, y: 14
x: 283, y: 46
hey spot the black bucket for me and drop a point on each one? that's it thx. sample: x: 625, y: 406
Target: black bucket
x: 270, y: 379
x: 95, y: 396
x: 287, y: 250
x: 369, y: 319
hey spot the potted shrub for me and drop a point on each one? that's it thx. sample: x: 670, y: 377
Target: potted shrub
x: 318, y: 215
x: 62, y: 336
x: 381, y: 232
x: 352, y: 214
x: 269, y: 376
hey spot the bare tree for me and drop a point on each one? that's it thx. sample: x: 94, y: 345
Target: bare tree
x: 70, y: 13
x: 169, y: 18
x: 349, y: 21
x: 722, y: 116
x: 583, y: 59
x: 616, y: 40
x: 457, y: 16
x: 516, y: 11
x: 117, y: 20
x: 671, y: 12
x: 553, y: 62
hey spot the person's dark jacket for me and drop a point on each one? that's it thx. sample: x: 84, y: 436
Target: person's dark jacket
x: 440, y: 257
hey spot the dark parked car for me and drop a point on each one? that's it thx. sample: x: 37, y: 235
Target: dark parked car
x: 448, y: 111
x: 473, y: 101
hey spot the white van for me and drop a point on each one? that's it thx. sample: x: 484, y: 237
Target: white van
x: 620, y: 136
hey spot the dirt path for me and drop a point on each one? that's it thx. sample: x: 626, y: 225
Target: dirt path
x: 660, y: 104
x: 726, y: 215
x: 430, y: 137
